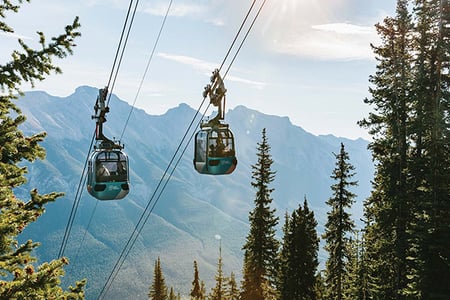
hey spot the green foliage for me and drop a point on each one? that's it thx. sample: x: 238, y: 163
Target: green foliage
x: 158, y: 290
x: 319, y: 287
x: 356, y: 287
x: 261, y: 247
x: 339, y: 225
x: 172, y: 295
x: 298, y: 257
x: 198, y: 287
x: 389, y: 125
x: 408, y: 213
x: 21, y: 277
x: 218, y: 292
x: 232, y: 291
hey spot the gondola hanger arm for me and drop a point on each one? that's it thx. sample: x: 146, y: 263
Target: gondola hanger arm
x: 216, y: 91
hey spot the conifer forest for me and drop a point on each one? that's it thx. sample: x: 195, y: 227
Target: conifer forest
x: 402, y: 251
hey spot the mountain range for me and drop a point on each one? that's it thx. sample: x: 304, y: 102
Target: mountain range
x: 193, y: 214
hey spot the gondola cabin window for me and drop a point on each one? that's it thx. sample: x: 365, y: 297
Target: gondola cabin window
x: 111, y: 166
x: 108, y: 176
x: 200, y: 146
x: 221, y: 143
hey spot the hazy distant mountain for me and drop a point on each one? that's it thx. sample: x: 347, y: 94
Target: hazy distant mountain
x: 192, y: 210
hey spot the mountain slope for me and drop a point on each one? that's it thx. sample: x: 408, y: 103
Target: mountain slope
x: 192, y: 210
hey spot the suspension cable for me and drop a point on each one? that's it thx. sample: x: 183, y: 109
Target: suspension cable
x: 120, y: 48
x: 75, y: 205
x: 91, y: 218
x: 145, y: 216
x: 141, y: 220
x: 237, y: 34
x: 110, y: 90
x: 245, y: 37
x: 146, y: 68
x: 114, y: 69
x: 146, y: 213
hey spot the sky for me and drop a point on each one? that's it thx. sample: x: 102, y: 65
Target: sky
x: 309, y: 60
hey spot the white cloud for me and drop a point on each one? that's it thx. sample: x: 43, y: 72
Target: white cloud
x: 195, y: 63
x: 14, y: 36
x: 216, y: 22
x: 313, y: 29
x: 337, y: 41
x: 215, y: 13
x: 176, y: 9
x: 341, y: 41
x: 345, y: 28
x: 257, y: 84
x: 207, y: 68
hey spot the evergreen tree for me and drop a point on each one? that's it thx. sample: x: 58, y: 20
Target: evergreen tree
x: 202, y: 290
x: 357, y: 281
x: 286, y: 245
x: 198, y: 288
x: 408, y: 211
x: 298, y: 263
x: 311, y: 249
x: 319, y: 288
x: 20, y: 276
x: 158, y: 290
x: 430, y: 165
x: 172, y: 295
x: 390, y: 201
x: 232, y: 290
x: 339, y: 225
x: 218, y: 292
x: 261, y: 247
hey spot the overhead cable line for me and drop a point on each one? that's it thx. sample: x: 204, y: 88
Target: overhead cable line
x: 118, y: 264
x: 114, y: 70
x: 120, y: 48
x: 146, y: 214
x: 80, y: 244
x: 74, y: 206
x: 147, y: 67
x: 245, y: 37
x: 237, y: 35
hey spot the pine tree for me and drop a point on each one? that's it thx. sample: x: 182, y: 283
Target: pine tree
x: 339, y: 225
x: 299, y: 262
x: 158, y: 290
x: 218, y: 292
x: 202, y: 290
x: 232, y: 290
x: 430, y: 233
x: 408, y: 209
x: 390, y: 126
x: 172, y: 295
x: 286, y: 246
x: 198, y: 288
x: 261, y: 247
x: 21, y: 277
x: 319, y: 287
x: 311, y: 249
x: 357, y: 273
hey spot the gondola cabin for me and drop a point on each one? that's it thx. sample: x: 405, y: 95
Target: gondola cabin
x: 214, y: 150
x: 108, y: 177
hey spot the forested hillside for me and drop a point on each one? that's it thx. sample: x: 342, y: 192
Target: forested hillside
x: 193, y: 208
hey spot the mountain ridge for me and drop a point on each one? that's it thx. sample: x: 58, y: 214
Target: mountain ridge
x: 192, y: 210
